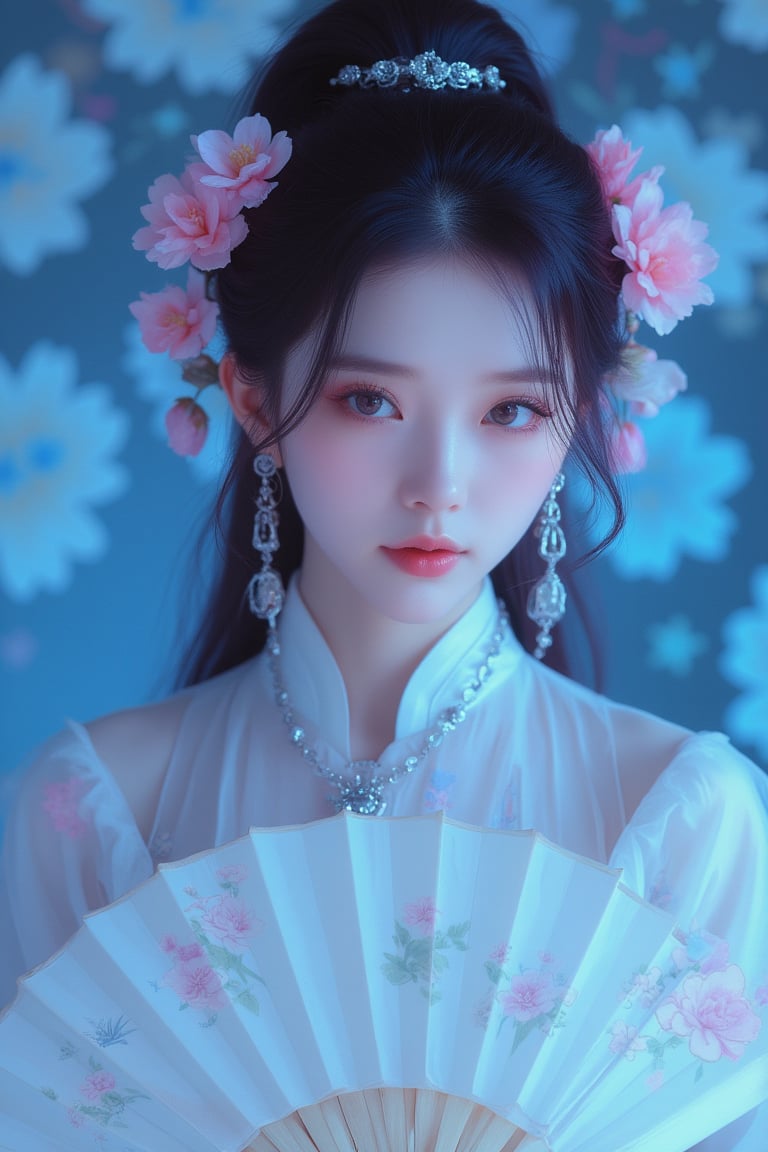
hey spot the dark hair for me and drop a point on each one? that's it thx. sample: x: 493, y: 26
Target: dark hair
x: 377, y: 176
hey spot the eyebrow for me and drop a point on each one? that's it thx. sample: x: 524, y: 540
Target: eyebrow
x: 530, y: 374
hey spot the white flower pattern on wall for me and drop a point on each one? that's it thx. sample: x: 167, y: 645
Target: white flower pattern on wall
x: 47, y: 163
x: 745, y: 22
x: 676, y: 505
x: 208, y: 43
x: 58, y: 442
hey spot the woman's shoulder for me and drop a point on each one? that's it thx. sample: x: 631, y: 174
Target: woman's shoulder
x: 651, y: 753
x: 132, y: 748
x: 135, y: 746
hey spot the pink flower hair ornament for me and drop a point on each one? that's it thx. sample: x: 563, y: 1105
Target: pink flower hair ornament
x: 665, y: 257
x: 198, y: 219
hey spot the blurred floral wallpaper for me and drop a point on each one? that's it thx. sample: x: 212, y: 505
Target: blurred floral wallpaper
x: 98, y: 519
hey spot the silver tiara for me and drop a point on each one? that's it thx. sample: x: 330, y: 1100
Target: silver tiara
x: 424, y: 71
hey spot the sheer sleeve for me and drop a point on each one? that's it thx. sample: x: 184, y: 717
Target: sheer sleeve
x: 71, y: 845
x: 698, y: 846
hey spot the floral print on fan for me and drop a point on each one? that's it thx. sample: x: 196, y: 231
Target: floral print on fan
x: 61, y: 803
x: 437, y: 797
x: 420, y: 957
x: 532, y: 998
x: 103, y: 1100
x: 210, y: 971
x: 700, y: 997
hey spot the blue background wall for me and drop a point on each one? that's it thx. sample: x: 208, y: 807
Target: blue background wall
x: 98, y: 97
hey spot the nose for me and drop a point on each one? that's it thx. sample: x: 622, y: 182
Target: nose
x: 435, y: 476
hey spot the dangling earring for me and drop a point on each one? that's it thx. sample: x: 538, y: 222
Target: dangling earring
x: 546, y: 601
x: 266, y: 594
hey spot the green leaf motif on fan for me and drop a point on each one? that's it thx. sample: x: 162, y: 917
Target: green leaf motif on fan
x: 420, y: 957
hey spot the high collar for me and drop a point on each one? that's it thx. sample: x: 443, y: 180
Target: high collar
x: 317, y: 691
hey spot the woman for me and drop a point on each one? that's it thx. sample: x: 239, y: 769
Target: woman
x: 424, y: 335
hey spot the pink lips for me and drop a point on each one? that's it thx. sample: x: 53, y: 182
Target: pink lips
x: 426, y: 556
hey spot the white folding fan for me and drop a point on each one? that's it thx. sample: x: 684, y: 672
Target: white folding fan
x: 380, y: 984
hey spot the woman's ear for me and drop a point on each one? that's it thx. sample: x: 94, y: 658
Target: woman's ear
x: 247, y: 403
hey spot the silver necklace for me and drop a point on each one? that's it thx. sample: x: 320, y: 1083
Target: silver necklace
x: 361, y: 789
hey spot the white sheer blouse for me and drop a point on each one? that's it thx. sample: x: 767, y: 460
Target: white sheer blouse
x: 689, y: 826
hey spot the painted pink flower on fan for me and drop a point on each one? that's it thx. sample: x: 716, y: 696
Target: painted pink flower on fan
x: 666, y: 257
x: 530, y: 994
x: 625, y: 1040
x: 422, y: 915
x: 499, y: 954
x: 244, y: 162
x: 228, y: 921
x: 96, y: 1084
x: 197, y: 984
x: 655, y: 1080
x: 61, y: 801
x: 177, y: 322
x: 231, y: 874
x: 761, y: 995
x: 628, y: 450
x: 713, y: 1013
x: 646, y: 382
x: 187, y: 426
x: 190, y: 221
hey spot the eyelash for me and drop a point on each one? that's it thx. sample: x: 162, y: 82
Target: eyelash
x: 539, y: 411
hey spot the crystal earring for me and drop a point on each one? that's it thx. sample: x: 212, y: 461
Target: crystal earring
x: 546, y: 600
x: 266, y: 594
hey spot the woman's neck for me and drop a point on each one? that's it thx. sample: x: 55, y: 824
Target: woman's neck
x: 376, y: 657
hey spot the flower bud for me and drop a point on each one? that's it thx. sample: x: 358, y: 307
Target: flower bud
x: 187, y: 426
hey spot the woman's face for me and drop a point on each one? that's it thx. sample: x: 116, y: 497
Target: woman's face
x: 429, y: 450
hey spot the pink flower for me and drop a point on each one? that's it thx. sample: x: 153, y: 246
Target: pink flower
x: 178, y: 322
x: 422, y: 915
x: 718, y: 958
x: 76, y: 1119
x: 648, y: 984
x: 499, y: 954
x: 61, y: 799
x: 628, y: 448
x: 546, y: 958
x: 530, y: 995
x: 712, y: 1012
x: 243, y: 162
x: 231, y: 874
x: 655, y: 1080
x: 761, y: 995
x: 665, y: 253
x: 229, y: 922
x: 187, y: 426
x: 645, y: 381
x: 625, y: 1040
x: 189, y: 952
x: 168, y: 944
x: 614, y: 160
x: 196, y: 984
x: 96, y: 1084
x: 189, y: 221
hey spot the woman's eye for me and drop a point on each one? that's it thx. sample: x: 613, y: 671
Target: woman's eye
x: 510, y: 414
x: 370, y: 404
